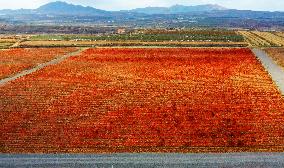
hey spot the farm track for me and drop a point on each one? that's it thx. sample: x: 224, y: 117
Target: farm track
x: 38, y: 67
x: 275, y: 71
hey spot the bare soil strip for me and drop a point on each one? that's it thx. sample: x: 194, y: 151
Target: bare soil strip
x: 38, y: 67
x: 275, y: 71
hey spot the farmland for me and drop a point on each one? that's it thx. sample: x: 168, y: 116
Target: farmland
x: 144, y: 100
x: 129, y: 43
x: 16, y: 60
x: 263, y: 39
x: 277, y: 54
x: 6, y: 43
x: 143, y: 37
x: 153, y: 35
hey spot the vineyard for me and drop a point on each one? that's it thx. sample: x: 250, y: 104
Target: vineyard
x: 16, y: 60
x: 263, y: 39
x: 152, y: 36
x: 129, y: 43
x: 6, y: 43
x: 277, y: 54
x: 143, y: 37
x: 273, y: 39
x: 144, y: 100
x: 281, y: 34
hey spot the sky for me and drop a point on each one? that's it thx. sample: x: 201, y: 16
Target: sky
x: 259, y: 5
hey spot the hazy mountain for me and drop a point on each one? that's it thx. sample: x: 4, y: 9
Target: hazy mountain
x: 178, y: 9
x: 58, y: 8
x: 57, y: 13
x: 64, y: 8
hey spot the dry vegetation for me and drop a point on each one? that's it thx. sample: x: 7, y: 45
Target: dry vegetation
x: 263, y: 39
x: 272, y: 38
x: 281, y: 34
x: 8, y: 41
x: 277, y: 54
x: 254, y: 40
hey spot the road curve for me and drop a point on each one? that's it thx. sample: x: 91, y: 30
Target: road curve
x: 275, y: 71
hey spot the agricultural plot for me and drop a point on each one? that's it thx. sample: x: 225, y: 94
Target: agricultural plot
x: 263, y: 39
x: 272, y: 38
x: 172, y: 38
x: 129, y: 43
x: 281, y: 34
x: 151, y: 36
x: 277, y: 54
x: 144, y: 100
x: 15, y: 60
x: 6, y: 43
x: 254, y: 40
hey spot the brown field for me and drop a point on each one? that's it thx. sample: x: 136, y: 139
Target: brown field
x: 277, y: 54
x: 272, y: 38
x: 263, y: 39
x: 254, y: 40
x: 281, y: 34
x: 144, y: 100
x: 7, y: 42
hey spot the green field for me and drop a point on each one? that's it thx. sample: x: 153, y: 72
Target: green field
x: 155, y: 35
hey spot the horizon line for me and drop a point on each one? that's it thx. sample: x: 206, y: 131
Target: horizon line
x: 70, y: 3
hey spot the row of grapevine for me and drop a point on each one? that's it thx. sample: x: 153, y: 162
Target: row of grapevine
x: 263, y: 39
x: 277, y: 54
x: 144, y: 100
x: 16, y: 60
x: 254, y: 40
x: 272, y: 38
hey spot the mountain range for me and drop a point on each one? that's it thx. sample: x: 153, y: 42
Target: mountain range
x: 58, y: 8
x: 63, y: 8
x: 178, y: 15
x: 178, y: 9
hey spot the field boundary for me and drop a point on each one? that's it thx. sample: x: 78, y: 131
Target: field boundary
x: 38, y: 67
x: 274, y: 70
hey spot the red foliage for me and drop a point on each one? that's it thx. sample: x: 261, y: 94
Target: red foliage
x: 152, y: 99
x: 15, y: 60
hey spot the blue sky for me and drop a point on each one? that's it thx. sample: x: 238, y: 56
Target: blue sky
x: 269, y: 5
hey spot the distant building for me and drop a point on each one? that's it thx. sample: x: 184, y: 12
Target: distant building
x: 121, y: 31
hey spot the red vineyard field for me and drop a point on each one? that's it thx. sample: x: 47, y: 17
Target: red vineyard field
x: 16, y: 60
x: 144, y: 100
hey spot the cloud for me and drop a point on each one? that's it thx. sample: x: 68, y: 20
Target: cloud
x: 270, y: 5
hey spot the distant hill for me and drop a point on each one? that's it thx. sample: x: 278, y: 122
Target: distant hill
x: 68, y: 9
x: 178, y: 9
x: 59, y: 8
x: 63, y: 8
x: 210, y: 15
